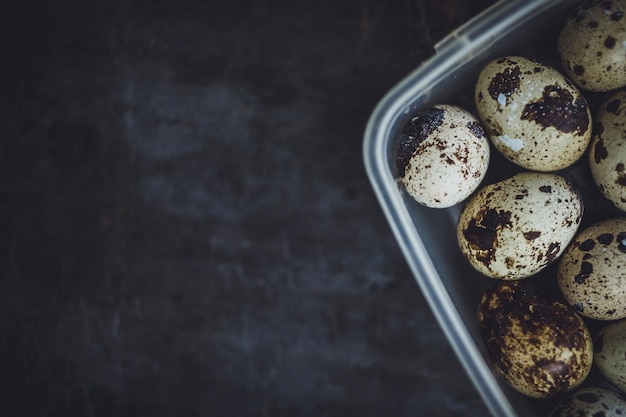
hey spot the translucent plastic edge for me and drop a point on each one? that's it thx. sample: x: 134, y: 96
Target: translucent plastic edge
x: 482, y: 27
x: 470, y: 40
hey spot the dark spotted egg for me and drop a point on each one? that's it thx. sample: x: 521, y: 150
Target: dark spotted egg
x: 592, y: 45
x: 591, y: 402
x: 533, y: 115
x: 607, y: 152
x: 516, y: 227
x: 442, y: 156
x: 538, y: 345
x: 592, y: 271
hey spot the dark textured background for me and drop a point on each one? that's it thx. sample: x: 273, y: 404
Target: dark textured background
x: 187, y: 227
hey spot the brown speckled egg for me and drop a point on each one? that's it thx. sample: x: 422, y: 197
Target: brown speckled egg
x: 591, y: 402
x: 516, y: 227
x: 610, y: 353
x: 539, y: 346
x: 607, y: 153
x: 533, y: 115
x: 443, y: 155
x: 592, y: 271
x: 592, y: 45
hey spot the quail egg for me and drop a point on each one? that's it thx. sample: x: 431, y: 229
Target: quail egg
x: 442, y: 156
x: 591, y: 402
x: 516, y: 227
x: 610, y: 353
x: 592, y: 271
x: 539, y: 346
x: 607, y: 152
x: 592, y: 45
x: 533, y: 115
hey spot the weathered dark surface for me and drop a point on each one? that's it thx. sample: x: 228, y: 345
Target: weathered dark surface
x: 187, y: 228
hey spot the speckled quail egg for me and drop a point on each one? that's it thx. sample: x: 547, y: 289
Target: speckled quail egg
x: 533, y: 115
x: 539, y: 345
x: 592, y: 45
x: 442, y: 156
x: 591, y: 402
x: 592, y: 271
x: 607, y: 153
x: 516, y: 227
x: 610, y: 353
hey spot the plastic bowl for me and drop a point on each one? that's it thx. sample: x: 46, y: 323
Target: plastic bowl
x: 426, y: 236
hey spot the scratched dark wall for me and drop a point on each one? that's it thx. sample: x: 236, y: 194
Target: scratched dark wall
x: 187, y: 228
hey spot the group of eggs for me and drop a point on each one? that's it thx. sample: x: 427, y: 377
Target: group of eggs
x: 538, y: 118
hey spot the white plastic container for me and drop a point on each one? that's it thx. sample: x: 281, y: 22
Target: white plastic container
x: 427, y: 236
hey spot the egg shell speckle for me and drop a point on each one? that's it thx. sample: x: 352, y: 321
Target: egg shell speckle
x: 533, y: 115
x: 592, y: 271
x: 539, y: 346
x: 591, y: 402
x: 610, y: 353
x: 607, y: 152
x: 592, y: 44
x: 516, y: 227
x: 443, y: 155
